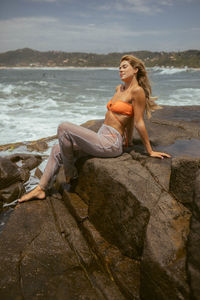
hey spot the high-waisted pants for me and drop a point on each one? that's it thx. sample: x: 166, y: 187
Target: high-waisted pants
x: 76, y: 141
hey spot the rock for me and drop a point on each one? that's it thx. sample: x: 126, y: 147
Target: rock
x: 134, y: 212
x: 120, y: 193
x: 76, y: 206
x: 39, y: 146
x: 26, y: 144
x: 38, y: 173
x: 157, y: 168
x: 12, y: 192
x: 131, y: 230
x: 193, y: 261
x: 27, y: 161
x: 43, y: 255
x: 182, y: 179
x: 9, y: 173
x: 14, y: 171
x: 124, y: 271
x: 163, y: 273
x: 24, y: 174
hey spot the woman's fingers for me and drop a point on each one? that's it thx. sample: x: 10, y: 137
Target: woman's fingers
x: 159, y: 154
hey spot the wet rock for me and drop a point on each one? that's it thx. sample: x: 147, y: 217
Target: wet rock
x: 39, y: 146
x: 26, y: 144
x: 38, y: 173
x: 9, y: 173
x: 24, y: 174
x: 27, y: 161
x: 12, y: 192
x: 193, y: 262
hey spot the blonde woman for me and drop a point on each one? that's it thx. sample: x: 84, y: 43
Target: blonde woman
x: 125, y: 111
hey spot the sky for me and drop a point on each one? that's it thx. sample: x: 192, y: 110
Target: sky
x: 100, y: 26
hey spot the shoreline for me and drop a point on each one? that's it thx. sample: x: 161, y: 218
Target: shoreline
x: 89, y: 67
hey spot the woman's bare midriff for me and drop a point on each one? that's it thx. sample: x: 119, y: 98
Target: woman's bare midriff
x: 110, y: 120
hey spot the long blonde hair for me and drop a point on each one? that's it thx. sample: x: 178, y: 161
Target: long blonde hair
x: 143, y: 81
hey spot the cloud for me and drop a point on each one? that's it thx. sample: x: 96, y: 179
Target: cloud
x: 44, y: 33
x: 148, y: 7
x: 50, y: 33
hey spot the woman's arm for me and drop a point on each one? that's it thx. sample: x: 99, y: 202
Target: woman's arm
x: 139, y: 108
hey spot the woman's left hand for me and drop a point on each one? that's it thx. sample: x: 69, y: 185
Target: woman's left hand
x: 159, y: 154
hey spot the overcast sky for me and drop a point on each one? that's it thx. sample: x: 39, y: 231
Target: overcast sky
x: 100, y: 26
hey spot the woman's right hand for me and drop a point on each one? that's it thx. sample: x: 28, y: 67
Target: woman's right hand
x: 159, y: 154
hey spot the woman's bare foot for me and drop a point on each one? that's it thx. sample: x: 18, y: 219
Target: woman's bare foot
x: 36, y: 193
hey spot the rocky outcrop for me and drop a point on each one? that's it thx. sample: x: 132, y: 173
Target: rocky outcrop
x: 193, y: 262
x: 14, y: 172
x: 130, y: 229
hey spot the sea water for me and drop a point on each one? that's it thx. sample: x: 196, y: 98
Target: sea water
x: 35, y: 101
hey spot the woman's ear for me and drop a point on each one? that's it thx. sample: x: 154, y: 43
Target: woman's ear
x: 135, y: 70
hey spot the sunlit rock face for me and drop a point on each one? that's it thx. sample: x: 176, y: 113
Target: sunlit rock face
x: 129, y: 229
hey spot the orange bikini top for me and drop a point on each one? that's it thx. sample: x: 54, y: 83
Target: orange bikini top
x: 121, y: 107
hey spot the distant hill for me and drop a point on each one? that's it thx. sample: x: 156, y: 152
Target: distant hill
x: 29, y: 57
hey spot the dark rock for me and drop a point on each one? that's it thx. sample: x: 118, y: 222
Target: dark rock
x: 24, y: 174
x: 12, y: 146
x: 133, y: 211
x: 118, y: 200
x: 163, y: 273
x: 43, y: 255
x: 182, y: 179
x: 38, y: 173
x: 128, y: 237
x: 193, y: 261
x: 39, y: 146
x: 124, y: 271
x: 9, y: 173
x: 28, y: 161
x: 12, y: 192
x: 76, y: 206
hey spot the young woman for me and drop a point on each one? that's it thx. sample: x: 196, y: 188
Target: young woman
x: 125, y: 111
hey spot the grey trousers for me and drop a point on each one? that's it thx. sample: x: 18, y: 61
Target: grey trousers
x: 76, y: 141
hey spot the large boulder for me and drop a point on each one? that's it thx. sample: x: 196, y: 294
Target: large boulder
x: 193, y: 261
x: 9, y: 173
x: 14, y: 172
x: 131, y: 230
x: 132, y: 211
x: 43, y: 255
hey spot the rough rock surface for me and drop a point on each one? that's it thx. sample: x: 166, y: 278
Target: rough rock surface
x: 50, y: 258
x: 130, y: 230
x: 193, y: 262
x: 14, y: 171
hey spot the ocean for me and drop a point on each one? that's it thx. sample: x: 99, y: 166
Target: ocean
x: 35, y: 101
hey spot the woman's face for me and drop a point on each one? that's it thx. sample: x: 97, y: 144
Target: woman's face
x: 126, y: 71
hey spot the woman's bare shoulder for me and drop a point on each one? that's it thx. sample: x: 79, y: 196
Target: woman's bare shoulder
x: 138, y: 93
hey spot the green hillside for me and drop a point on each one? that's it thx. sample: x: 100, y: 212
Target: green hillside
x: 29, y: 57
